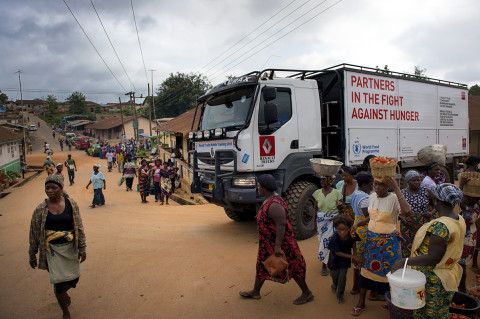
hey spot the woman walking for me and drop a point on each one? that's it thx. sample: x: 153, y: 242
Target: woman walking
x: 166, y: 182
x: 144, y: 180
x: 347, y: 186
x: 326, y: 205
x: 436, y: 250
x: 381, y: 247
x: 359, y: 202
x: 156, y: 179
x: 57, y: 235
x: 129, y: 172
x: 275, y: 236
x: 419, y: 199
x: 98, y: 181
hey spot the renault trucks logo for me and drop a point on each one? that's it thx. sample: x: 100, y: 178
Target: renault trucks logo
x: 267, y: 149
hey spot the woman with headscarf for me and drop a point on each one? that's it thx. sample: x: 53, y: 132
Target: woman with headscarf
x: 98, y: 181
x: 49, y: 165
x: 471, y: 214
x: 144, y: 180
x: 359, y: 200
x: 129, y: 172
x: 420, y: 199
x: 347, y: 186
x: 431, y: 173
x: 382, y: 247
x: 275, y: 236
x: 57, y: 235
x: 436, y: 250
x: 156, y: 178
x: 326, y: 205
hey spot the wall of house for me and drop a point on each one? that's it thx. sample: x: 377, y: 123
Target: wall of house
x: 10, y: 156
x: 143, y: 127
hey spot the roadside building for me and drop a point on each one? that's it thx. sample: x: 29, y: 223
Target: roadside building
x: 111, y: 128
x: 10, y: 150
x: 175, y: 133
x: 474, y: 115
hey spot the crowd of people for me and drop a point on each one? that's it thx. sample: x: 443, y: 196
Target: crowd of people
x: 370, y: 222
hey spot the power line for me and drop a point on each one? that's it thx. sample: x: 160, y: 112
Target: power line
x: 133, y: 85
x: 266, y: 46
x: 93, y: 45
x: 138, y: 37
x: 258, y: 27
x: 268, y: 29
x: 57, y: 91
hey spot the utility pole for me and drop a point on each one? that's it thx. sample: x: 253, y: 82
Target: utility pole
x: 23, y: 116
x: 121, y: 114
x: 149, y: 111
x: 135, y: 120
x: 153, y: 101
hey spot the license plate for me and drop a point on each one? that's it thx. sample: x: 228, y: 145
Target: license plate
x: 210, y: 186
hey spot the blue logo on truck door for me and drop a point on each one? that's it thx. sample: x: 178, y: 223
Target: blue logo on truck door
x: 245, y: 158
x: 357, y: 148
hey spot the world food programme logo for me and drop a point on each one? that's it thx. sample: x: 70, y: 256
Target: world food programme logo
x: 357, y: 148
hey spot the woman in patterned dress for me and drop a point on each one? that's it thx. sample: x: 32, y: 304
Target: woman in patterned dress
x: 144, y: 180
x: 275, y: 236
x: 359, y: 202
x: 436, y: 250
x: 420, y: 199
x: 165, y: 182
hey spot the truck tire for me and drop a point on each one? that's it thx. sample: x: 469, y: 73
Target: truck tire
x: 301, y: 206
x: 240, y: 215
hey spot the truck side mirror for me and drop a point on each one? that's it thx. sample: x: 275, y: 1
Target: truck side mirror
x: 269, y: 93
x: 270, y: 113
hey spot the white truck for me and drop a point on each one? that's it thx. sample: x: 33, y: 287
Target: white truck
x: 275, y: 121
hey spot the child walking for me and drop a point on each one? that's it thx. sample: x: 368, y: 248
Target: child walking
x: 339, y: 260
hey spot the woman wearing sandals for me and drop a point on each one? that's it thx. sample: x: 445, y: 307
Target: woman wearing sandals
x: 166, y: 182
x: 326, y: 205
x: 382, y: 247
x: 56, y: 234
x: 275, y: 236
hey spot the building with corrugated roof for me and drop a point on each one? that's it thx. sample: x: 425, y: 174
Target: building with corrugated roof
x: 10, y: 150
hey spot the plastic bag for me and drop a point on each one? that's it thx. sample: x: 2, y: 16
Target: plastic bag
x: 120, y: 181
x: 433, y: 153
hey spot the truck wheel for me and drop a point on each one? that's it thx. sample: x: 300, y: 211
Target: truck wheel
x: 240, y: 215
x: 301, y: 206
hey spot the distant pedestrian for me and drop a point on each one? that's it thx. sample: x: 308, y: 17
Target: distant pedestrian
x: 110, y: 156
x: 166, y: 182
x: 71, y: 169
x: 69, y: 144
x: 57, y: 235
x: 45, y: 147
x: 129, y: 172
x: 156, y: 179
x: 144, y: 180
x: 53, y: 133
x: 120, y: 159
x: 38, y: 124
x: 98, y: 182
x: 49, y: 165
x: 23, y: 166
x: 61, y: 145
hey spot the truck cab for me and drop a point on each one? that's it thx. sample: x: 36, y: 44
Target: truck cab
x: 252, y: 125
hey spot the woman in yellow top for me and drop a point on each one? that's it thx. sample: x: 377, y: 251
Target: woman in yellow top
x: 381, y: 247
x: 437, y: 248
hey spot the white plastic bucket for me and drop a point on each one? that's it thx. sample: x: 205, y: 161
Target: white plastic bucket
x: 407, y: 288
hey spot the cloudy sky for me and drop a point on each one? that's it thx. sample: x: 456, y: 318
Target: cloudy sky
x: 226, y: 37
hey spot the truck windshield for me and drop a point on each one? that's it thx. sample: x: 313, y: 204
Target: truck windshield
x: 227, y: 110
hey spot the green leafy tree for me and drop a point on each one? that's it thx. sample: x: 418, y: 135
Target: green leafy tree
x: 178, y: 93
x: 77, y: 103
x: 3, y: 97
x: 474, y: 90
x: 98, y: 109
x: 52, y: 105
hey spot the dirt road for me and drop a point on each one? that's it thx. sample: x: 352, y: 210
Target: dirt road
x: 147, y: 260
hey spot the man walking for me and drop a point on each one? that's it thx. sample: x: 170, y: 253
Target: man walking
x: 109, y: 157
x: 71, y: 168
x: 120, y: 160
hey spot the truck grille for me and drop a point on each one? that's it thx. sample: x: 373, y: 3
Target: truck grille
x: 207, y: 159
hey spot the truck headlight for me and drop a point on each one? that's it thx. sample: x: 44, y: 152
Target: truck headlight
x: 199, y: 135
x: 218, y: 132
x: 206, y: 134
x: 191, y: 135
x: 245, y: 181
